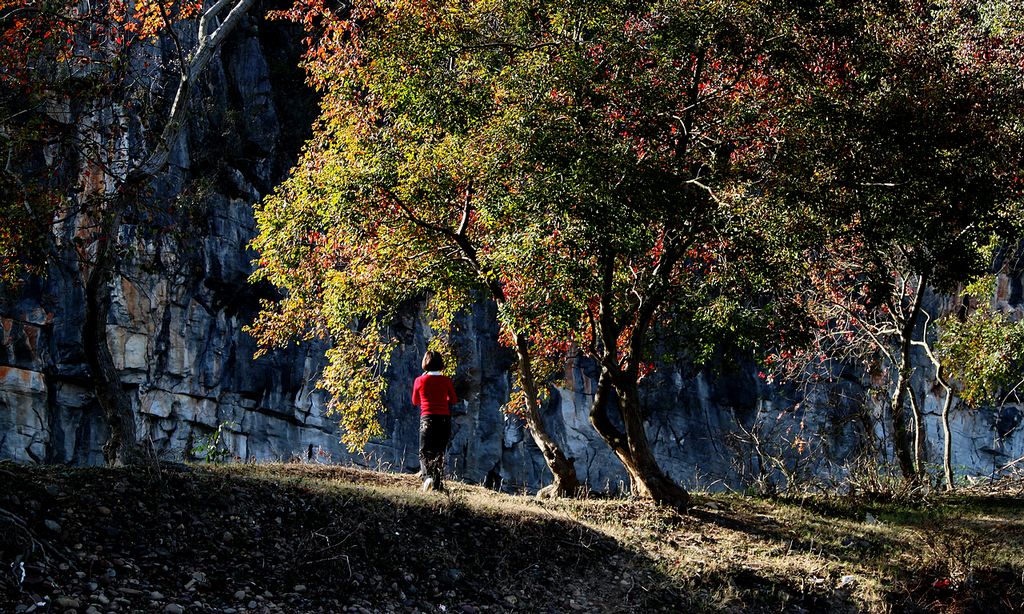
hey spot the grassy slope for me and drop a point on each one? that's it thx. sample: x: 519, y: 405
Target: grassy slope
x: 300, y: 538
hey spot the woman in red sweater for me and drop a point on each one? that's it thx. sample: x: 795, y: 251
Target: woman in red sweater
x: 434, y: 394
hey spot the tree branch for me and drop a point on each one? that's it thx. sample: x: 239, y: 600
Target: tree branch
x: 197, y: 62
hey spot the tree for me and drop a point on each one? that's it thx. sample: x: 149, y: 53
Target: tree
x: 923, y: 170
x: 979, y: 357
x: 65, y: 58
x: 646, y: 139
x: 589, y: 167
x: 389, y: 201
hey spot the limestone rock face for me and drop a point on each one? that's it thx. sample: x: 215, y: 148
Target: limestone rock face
x: 181, y: 303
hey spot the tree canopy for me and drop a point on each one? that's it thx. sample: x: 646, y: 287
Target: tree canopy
x: 609, y: 172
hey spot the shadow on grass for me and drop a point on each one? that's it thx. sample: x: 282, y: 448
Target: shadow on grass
x: 953, y: 564
x: 214, y: 540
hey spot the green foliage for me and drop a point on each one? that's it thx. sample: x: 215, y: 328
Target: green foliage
x: 211, y: 447
x: 983, y: 354
x: 600, y: 170
x: 604, y: 171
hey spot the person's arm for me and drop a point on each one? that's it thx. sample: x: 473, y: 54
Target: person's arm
x: 416, y: 392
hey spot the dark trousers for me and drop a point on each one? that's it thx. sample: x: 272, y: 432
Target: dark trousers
x: 435, y: 431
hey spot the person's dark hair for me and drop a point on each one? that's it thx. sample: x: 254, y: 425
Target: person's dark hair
x: 432, y: 361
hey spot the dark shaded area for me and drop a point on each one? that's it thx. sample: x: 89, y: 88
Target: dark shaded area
x: 198, y: 537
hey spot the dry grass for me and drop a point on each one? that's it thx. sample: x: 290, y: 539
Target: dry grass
x: 373, y: 540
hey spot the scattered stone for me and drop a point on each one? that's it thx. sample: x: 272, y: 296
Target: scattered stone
x: 468, y: 609
x: 251, y: 605
x: 52, y: 525
x: 299, y: 588
x: 103, y: 510
x: 173, y: 608
x: 68, y: 602
x: 130, y: 591
x: 52, y: 490
x: 240, y: 595
x: 156, y: 596
x: 92, y: 610
x: 870, y: 519
x: 199, y: 577
x: 847, y: 581
x: 228, y: 537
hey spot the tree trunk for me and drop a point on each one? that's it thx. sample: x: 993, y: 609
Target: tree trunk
x: 122, y: 446
x: 901, y: 438
x: 646, y: 476
x: 900, y: 434
x: 565, y: 484
x: 632, y: 448
x: 947, y: 434
x: 915, y: 411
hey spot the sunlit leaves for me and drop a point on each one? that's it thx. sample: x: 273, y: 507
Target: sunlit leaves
x: 983, y: 355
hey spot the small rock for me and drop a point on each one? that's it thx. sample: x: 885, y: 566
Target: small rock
x: 173, y: 608
x: 240, y: 595
x: 156, y: 596
x: 52, y: 490
x: 511, y: 599
x: 52, y: 525
x: 130, y: 591
x: 846, y: 581
x: 468, y: 609
x: 68, y: 602
x: 870, y: 519
x: 228, y: 537
x: 199, y: 577
x: 92, y: 610
x: 251, y: 605
x: 103, y: 510
x: 299, y: 588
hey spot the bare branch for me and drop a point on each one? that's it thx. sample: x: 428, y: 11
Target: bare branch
x: 201, y: 56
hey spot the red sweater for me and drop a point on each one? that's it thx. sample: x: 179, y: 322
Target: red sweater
x: 434, y: 394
